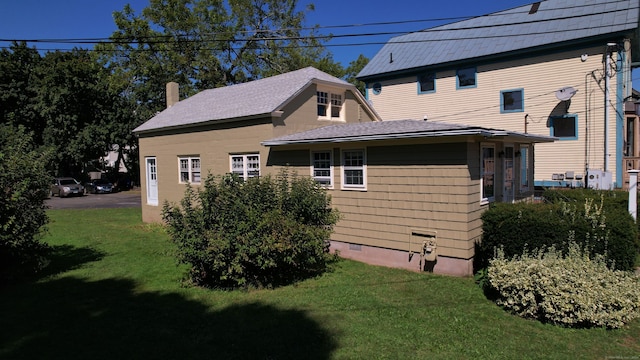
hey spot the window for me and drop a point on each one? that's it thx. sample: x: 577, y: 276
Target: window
x: 377, y: 88
x: 564, y: 127
x: 353, y: 169
x: 245, y: 166
x: 427, y: 83
x: 466, y: 78
x: 487, y: 172
x: 525, y: 168
x: 512, y: 101
x: 322, y: 168
x: 329, y: 105
x: 189, y: 169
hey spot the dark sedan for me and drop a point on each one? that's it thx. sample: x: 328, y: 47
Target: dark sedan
x: 99, y: 187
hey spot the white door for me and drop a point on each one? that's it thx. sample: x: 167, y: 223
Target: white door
x: 152, y: 181
x: 508, y: 174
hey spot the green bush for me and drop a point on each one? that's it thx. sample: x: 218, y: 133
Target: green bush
x: 260, y: 233
x: 25, y: 185
x: 606, y: 230
x: 575, y: 290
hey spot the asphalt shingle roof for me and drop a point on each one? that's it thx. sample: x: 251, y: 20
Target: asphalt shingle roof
x: 396, y: 129
x: 555, y: 22
x: 237, y: 101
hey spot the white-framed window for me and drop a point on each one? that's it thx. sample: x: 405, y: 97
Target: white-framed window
x: 525, y: 168
x: 354, y: 169
x: 246, y: 166
x: 512, y: 100
x: 189, y: 169
x: 322, y: 167
x: 427, y: 83
x: 487, y: 172
x: 330, y: 104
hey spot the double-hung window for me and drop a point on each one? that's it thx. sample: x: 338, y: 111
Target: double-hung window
x: 329, y: 105
x: 322, y: 168
x: 189, y: 167
x: 487, y: 172
x: 354, y: 171
x: 245, y: 166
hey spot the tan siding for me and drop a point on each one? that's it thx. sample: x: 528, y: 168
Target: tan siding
x: 540, y: 77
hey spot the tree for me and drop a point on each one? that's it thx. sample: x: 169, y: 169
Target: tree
x: 25, y: 184
x: 204, y: 44
x: 354, y: 69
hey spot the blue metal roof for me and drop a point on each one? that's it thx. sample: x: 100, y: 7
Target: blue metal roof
x: 545, y: 23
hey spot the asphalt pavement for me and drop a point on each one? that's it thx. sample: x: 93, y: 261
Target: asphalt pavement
x: 123, y: 199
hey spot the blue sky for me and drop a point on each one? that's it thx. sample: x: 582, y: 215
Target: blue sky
x: 64, y: 19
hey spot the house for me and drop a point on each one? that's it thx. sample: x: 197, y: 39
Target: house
x: 410, y: 192
x: 559, y: 68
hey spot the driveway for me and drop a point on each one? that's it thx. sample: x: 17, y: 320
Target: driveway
x: 123, y: 199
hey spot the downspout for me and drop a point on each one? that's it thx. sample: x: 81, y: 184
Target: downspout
x: 607, y: 86
x: 586, y: 126
x: 622, y: 78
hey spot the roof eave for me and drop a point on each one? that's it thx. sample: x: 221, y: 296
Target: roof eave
x: 272, y: 114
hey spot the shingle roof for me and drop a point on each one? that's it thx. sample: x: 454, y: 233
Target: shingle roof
x: 237, y: 101
x: 396, y: 129
x: 555, y: 22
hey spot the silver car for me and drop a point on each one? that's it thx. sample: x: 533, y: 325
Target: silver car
x: 64, y: 187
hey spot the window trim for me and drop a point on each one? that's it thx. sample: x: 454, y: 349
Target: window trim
x: 503, y: 110
x: 190, y: 172
x: 475, y: 78
x: 331, y: 166
x: 245, y: 160
x: 483, y: 199
x: 565, y: 116
x: 418, y: 78
x: 363, y: 168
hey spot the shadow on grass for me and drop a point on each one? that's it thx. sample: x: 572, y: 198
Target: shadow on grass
x: 66, y: 257
x: 71, y: 318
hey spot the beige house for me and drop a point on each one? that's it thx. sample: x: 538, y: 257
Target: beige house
x: 410, y: 192
x: 559, y: 68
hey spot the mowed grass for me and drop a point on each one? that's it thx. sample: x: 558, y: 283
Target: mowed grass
x: 113, y: 291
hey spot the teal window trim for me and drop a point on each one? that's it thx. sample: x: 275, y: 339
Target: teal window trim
x: 506, y: 111
x: 475, y: 78
x: 419, y: 82
x: 552, y: 119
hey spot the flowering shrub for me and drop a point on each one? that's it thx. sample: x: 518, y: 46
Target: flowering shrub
x: 575, y: 290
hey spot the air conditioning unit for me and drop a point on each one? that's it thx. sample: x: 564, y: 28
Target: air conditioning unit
x: 599, y: 180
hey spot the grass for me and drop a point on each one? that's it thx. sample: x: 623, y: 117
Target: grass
x: 113, y: 291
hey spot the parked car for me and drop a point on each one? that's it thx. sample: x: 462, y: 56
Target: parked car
x: 99, y: 186
x: 67, y: 186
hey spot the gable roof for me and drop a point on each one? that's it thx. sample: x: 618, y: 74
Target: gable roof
x: 252, y: 99
x: 550, y: 23
x: 396, y: 129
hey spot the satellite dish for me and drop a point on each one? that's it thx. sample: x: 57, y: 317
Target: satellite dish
x: 566, y: 93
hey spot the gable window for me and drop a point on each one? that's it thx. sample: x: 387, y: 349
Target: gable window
x: 245, y: 166
x: 564, y: 127
x: 427, y: 83
x: 189, y: 167
x: 466, y: 78
x: 525, y: 168
x: 512, y: 100
x: 487, y: 172
x: 353, y: 169
x: 322, y: 167
x: 329, y: 105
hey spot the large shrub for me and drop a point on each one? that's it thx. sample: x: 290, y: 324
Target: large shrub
x: 574, y: 290
x: 605, y: 230
x: 260, y: 233
x: 24, y: 183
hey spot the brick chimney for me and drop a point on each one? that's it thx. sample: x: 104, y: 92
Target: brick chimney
x: 173, y: 94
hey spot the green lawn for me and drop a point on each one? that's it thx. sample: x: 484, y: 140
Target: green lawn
x: 114, y: 291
